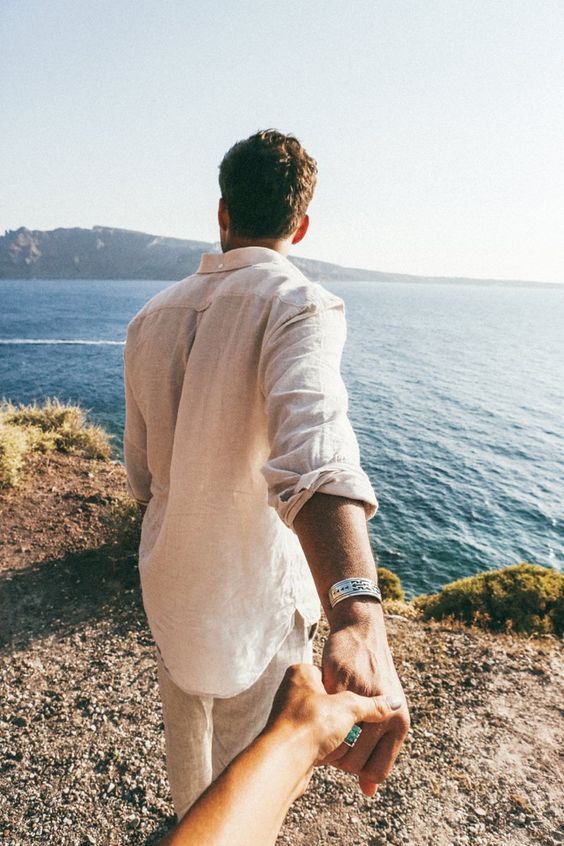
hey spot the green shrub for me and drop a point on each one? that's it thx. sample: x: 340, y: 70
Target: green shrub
x: 390, y: 585
x: 522, y: 598
x: 13, y: 449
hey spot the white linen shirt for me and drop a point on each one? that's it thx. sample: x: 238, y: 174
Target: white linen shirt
x: 236, y: 414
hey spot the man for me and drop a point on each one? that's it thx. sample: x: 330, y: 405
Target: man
x: 238, y: 444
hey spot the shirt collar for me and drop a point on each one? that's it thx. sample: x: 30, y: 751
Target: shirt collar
x: 241, y: 257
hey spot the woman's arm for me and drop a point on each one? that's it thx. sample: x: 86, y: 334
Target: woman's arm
x: 248, y: 802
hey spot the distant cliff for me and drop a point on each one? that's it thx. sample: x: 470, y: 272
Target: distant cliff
x: 98, y: 253
x: 106, y: 253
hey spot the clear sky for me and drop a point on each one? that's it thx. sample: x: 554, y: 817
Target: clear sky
x: 438, y: 125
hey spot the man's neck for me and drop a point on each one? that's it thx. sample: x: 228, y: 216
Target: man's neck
x: 279, y: 245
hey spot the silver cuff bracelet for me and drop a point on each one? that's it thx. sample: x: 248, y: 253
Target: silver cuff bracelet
x: 353, y: 587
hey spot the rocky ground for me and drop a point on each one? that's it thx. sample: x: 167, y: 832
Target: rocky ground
x: 81, y: 745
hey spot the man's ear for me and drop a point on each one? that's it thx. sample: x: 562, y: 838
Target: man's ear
x: 223, y: 216
x: 301, y: 231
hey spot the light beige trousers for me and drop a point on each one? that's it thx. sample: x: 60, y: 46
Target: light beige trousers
x: 203, y: 733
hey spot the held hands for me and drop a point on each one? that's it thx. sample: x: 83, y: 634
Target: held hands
x: 302, y: 706
x: 333, y: 535
x: 357, y: 658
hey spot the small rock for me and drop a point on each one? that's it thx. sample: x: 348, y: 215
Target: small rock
x: 133, y: 821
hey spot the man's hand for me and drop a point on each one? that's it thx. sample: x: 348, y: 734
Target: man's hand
x: 302, y: 705
x: 332, y: 532
x: 357, y: 658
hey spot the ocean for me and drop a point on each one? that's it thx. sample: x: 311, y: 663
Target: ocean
x: 456, y: 395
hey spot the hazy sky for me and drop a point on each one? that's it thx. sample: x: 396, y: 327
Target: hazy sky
x: 438, y: 125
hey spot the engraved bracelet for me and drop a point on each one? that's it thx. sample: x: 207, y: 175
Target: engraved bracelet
x: 353, y: 587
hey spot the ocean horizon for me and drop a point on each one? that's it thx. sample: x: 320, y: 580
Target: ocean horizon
x: 456, y: 396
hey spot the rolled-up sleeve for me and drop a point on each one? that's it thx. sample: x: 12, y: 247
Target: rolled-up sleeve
x: 313, y: 447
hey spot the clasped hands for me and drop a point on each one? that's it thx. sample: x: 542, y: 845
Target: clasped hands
x: 356, y: 660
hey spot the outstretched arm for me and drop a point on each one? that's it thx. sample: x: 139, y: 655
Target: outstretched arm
x: 333, y: 534
x: 248, y: 802
x: 319, y: 489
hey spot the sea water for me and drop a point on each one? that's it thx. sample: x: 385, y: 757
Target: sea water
x: 456, y: 395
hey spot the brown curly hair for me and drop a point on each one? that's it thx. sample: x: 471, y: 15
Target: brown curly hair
x: 267, y: 182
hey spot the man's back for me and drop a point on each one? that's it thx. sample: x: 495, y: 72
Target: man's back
x: 234, y: 401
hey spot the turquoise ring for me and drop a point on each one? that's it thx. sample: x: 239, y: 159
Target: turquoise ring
x: 353, y: 735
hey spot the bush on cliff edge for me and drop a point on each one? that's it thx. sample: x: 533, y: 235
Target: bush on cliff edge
x: 51, y: 427
x: 13, y: 449
x: 521, y: 598
x: 390, y: 585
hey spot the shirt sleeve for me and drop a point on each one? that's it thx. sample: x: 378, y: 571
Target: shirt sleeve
x: 135, y: 446
x: 312, y: 444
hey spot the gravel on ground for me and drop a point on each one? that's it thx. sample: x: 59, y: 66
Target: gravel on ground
x: 81, y: 736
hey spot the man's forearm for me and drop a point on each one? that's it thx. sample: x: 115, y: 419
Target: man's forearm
x: 333, y: 534
x: 356, y: 655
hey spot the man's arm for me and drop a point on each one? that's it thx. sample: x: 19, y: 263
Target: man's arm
x: 248, y: 802
x: 332, y: 532
x: 319, y: 489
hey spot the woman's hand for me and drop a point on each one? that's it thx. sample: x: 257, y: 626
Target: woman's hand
x: 249, y: 800
x: 302, y: 706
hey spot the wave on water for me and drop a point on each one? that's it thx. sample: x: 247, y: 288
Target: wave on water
x: 56, y: 341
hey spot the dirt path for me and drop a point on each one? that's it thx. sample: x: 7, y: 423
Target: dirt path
x: 80, y: 727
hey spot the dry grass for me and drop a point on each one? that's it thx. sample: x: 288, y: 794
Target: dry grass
x: 13, y: 449
x: 401, y: 609
x: 122, y: 524
x: 521, y: 803
x: 51, y: 427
